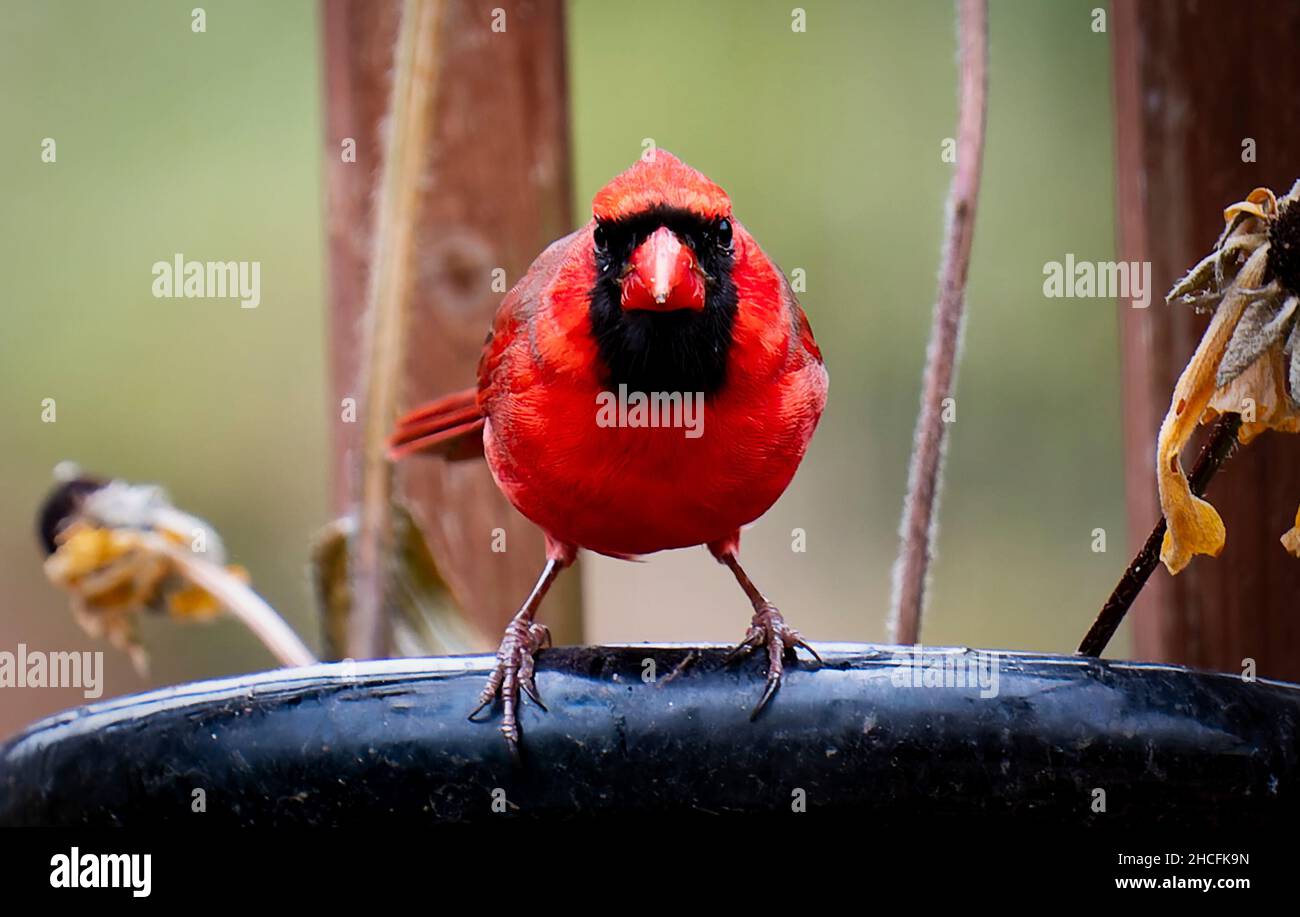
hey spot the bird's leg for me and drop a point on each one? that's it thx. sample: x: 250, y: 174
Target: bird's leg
x: 767, y: 630
x: 523, y: 638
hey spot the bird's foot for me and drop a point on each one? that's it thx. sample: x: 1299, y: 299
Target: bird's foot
x: 769, y: 630
x: 514, y: 672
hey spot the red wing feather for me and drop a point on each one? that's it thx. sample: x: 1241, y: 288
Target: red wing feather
x: 451, y: 427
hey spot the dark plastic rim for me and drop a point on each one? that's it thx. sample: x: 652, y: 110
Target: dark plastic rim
x: 859, y: 735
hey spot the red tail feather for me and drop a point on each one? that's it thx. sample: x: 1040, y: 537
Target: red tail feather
x: 451, y: 427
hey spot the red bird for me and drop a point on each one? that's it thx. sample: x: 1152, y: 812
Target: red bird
x: 663, y: 295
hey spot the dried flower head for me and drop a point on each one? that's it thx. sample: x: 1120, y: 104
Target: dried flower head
x: 1245, y: 364
x: 114, y: 547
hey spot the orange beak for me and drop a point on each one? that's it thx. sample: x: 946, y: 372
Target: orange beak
x: 663, y: 275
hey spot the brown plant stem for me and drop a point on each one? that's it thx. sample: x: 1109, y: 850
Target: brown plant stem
x: 414, y: 89
x: 241, y: 601
x: 1213, y: 454
x: 924, y: 477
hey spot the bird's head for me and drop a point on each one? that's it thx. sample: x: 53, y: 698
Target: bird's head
x: 663, y: 233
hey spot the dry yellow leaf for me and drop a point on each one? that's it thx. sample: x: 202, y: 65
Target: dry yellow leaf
x: 1260, y: 377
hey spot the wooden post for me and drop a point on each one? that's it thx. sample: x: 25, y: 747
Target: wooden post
x: 1194, y: 83
x: 495, y: 191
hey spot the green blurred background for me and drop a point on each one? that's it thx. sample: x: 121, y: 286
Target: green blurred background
x: 829, y: 144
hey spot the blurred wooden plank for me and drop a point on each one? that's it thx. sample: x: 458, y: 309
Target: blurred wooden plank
x: 495, y: 193
x: 1192, y: 82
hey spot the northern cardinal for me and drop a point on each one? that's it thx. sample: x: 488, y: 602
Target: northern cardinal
x: 663, y: 293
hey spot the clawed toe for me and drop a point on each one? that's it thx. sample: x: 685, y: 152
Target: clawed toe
x: 514, y: 673
x: 769, y: 630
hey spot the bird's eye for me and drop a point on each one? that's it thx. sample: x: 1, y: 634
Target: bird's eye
x: 723, y: 233
x: 600, y: 238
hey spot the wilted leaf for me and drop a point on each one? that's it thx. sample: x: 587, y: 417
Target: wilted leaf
x: 1246, y: 363
x: 424, y: 616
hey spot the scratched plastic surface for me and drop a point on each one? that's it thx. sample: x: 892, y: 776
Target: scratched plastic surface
x: 860, y: 735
